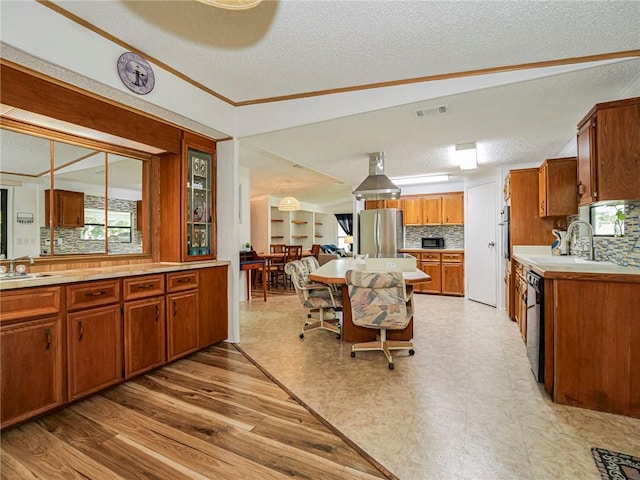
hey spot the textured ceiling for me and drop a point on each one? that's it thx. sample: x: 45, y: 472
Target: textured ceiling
x: 297, y: 47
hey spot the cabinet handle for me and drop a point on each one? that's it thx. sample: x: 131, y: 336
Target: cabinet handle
x: 144, y: 286
x: 95, y: 294
x: 183, y: 280
x: 175, y: 308
x: 47, y: 336
x: 158, y: 312
x: 580, y: 189
x: 81, y: 331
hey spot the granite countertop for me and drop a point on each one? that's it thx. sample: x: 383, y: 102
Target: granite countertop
x: 542, y: 262
x: 102, y: 273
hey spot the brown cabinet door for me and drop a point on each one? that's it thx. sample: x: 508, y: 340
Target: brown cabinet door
x: 453, y: 209
x: 145, y: 335
x: 94, y: 342
x: 31, y: 369
x: 557, y: 180
x: 213, y: 318
x: 432, y: 211
x: 586, y: 167
x: 182, y: 323
x: 393, y: 204
x: 412, y: 211
x: 68, y: 208
x: 433, y: 270
x: 453, y: 278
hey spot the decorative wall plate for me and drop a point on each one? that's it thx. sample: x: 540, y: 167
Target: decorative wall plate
x: 136, y: 73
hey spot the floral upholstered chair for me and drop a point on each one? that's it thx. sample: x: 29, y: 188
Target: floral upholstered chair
x: 317, y: 297
x: 380, y: 300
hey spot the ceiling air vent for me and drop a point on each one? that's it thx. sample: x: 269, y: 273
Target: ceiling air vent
x: 429, y: 111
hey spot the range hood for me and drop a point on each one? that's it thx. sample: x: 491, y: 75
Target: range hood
x: 377, y: 185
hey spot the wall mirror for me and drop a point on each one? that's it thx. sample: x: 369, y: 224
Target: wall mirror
x: 67, y: 195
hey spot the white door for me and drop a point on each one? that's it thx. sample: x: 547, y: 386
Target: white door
x: 480, y: 243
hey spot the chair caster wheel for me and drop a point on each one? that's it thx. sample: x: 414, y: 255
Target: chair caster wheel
x: 302, y: 335
x: 308, y: 315
x: 353, y: 354
x: 412, y: 352
x: 338, y: 336
x: 391, y: 366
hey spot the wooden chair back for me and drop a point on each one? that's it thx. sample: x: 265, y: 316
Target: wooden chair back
x: 277, y: 247
x: 315, y: 250
x: 292, y: 252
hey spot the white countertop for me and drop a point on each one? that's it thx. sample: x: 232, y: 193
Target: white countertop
x: 101, y: 273
x: 540, y: 259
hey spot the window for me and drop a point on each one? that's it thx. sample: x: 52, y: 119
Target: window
x: 119, y: 228
x: 608, y: 220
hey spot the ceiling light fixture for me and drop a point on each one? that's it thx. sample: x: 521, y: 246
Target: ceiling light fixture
x: 232, y: 4
x: 289, y: 204
x: 419, y: 179
x: 466, y: 156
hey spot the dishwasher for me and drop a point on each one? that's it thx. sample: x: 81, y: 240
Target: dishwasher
x: 535, y: 324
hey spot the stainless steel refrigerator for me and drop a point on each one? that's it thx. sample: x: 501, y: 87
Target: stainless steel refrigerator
x: 380, y: 232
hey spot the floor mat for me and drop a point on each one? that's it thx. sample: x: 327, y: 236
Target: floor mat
x: 616, y: 466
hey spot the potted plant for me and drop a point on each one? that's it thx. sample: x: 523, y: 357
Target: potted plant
x: 247, y: 246
x: 617, y: 226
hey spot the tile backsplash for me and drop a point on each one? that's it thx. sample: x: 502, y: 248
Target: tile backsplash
x: 624, y: 250
x: 453, y: 235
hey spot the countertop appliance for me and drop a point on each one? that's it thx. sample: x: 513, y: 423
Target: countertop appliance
x: 535, y: 324
x: 432, y: 242
x: 380, y: 232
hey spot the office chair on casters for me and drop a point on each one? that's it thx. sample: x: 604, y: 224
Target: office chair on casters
x: 315, y: 296
x: 380, y: 300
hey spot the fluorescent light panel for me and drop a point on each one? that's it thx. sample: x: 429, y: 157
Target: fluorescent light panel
x: 420, y: 179
x: 466, y: 156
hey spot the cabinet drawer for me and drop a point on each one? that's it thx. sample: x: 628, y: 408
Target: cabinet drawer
x: 92, y: 294
x: 453, y: 257
x: 29, y: 302
x: 430, y: 257
x: 142, y: 287
x: 179, y: 281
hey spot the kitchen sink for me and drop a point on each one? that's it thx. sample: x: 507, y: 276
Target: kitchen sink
x: 28, y: 276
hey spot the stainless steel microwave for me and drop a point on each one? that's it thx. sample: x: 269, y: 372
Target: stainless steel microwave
x: 432, y: 242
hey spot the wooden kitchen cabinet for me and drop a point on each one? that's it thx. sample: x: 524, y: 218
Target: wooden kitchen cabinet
x: 374, y: 204
x: 182, y: 313
x: 608, y: 152
x: 191, y: 178
x: 144, y: 323
x: 453, y: 209
x: 412, y: 211
x: 432, y: 211
x: 520, y: 299
x: 94, y: 343
x: 595, y: 344
x: 557, y: 195
x: 429, y: 263
x: 213, y: 323
x: 68, y: 209
x: 94, y: 336
x: 453, y: 274
x: 32, y: 377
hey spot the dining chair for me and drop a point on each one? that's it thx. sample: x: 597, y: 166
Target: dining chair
x: 275, y: 265
x: 291, y: 253
x: 382, y: 301
x: 318, y: 297
x: 315, y: 250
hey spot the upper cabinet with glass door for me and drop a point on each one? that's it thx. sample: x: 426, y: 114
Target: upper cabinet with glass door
x: 199, y: 202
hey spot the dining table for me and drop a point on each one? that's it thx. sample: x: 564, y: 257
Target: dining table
x: 333, y: 272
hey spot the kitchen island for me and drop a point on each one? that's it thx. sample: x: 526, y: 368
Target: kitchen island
x: 334, y: 272
x: 591, y: 331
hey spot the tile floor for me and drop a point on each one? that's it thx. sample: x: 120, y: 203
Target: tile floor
x: 466, y: 406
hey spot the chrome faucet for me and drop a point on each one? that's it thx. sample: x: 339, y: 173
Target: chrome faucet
x: 13, y: 261
x: 590, y: 228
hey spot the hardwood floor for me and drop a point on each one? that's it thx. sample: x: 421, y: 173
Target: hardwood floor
x: 211, y: 415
